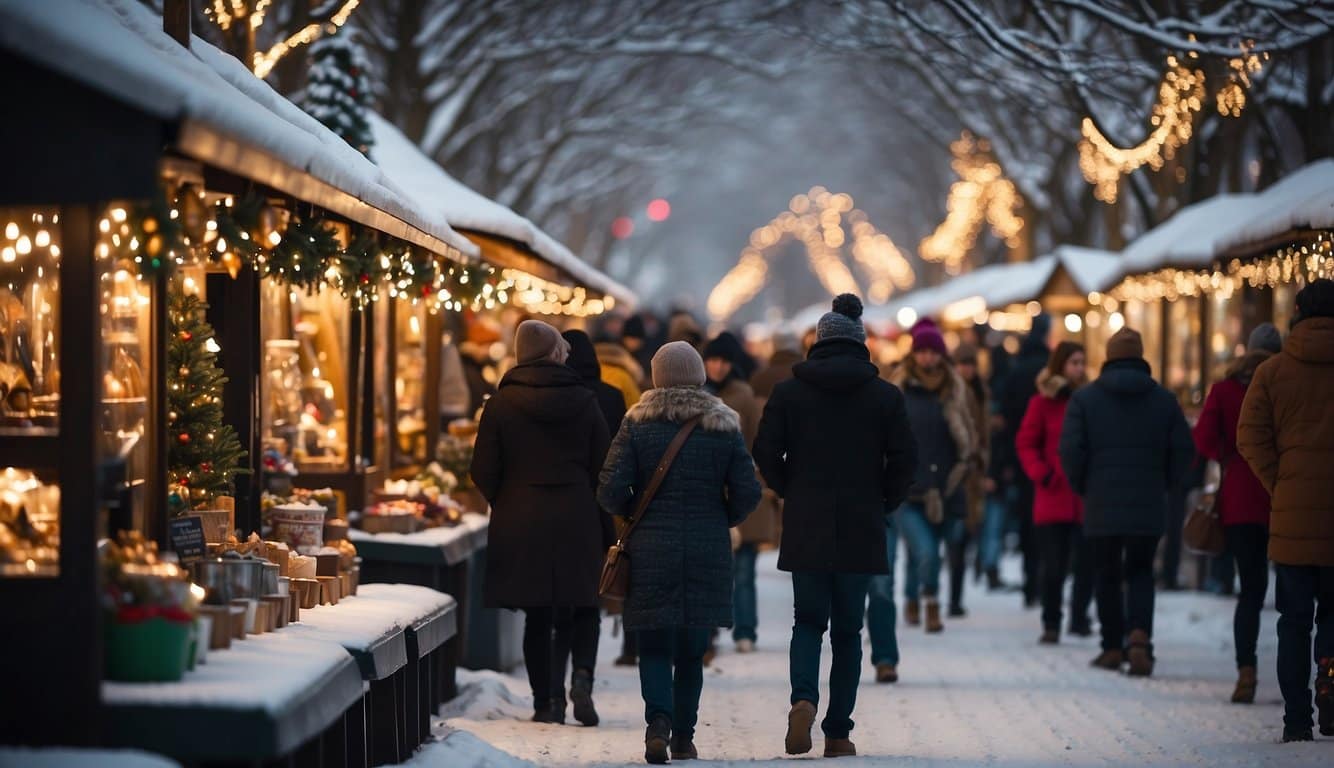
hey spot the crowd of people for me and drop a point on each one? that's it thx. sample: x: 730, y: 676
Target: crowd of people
x: 832, y: 457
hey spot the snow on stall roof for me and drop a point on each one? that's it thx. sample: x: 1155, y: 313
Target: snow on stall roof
x: 998, y: 285
x: 1092, y: 269
x: 1301, y: 200
x: 1201, y: 233
x: 405, y: 163
x: 118, y: 47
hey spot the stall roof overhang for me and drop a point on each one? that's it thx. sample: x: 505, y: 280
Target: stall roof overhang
x: 223, y: 115
x: 506, y: 238
x: 1236, y: 225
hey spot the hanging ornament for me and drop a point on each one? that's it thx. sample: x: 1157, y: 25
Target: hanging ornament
x: 184, y: 437
x: 193, y: 212
x: 271, y: 225
x: 186, y: 335
x: 233, y: 263
x: 205, y: 466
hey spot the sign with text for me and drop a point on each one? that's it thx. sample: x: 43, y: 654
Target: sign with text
x: 187, y: 537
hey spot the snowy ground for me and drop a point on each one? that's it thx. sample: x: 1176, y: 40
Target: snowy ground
x: 983, y: 693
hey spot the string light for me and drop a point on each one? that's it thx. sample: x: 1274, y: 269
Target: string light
x: 982, y: 193
x: 817, y: 219
x: 1302, y: 262
x: 265, y: 62
x: 1180, y: 96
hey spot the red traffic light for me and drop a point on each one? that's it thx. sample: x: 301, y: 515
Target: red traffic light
x: 659, y: 210
x: 622, y: 227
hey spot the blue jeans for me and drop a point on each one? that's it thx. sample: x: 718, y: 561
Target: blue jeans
x: 993, y: 532
x: 671, y: 675
x: 745, y: 613
x: 924, y: 540
x: 1305, y: 599
x: 880, y: 618
x: 833, y: 601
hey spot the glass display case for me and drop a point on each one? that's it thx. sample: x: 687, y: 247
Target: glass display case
x: 409, y: 400
x: 29, y: 390
x: 304, y: 389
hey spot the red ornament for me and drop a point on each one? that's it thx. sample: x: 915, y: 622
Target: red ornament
x: 426, y: 290
x: 205, y: 466
x: 184, y: 481
x: 186, y: 336
x: 365, y: 278
x: 184, y: 437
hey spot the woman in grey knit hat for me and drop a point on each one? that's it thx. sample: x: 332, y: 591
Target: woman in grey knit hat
x: 681, y: 551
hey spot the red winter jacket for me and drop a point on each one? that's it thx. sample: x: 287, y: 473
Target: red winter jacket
x: 1037, y: 442
x: 1242, y: 498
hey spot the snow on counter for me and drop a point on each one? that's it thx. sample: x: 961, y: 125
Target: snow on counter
x: 464, y: 208
x: 274, y: 673
x: 66, y: 757
x: 118, y: 47
x: 456, y: 543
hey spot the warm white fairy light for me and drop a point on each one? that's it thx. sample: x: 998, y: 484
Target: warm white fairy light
x: 982, y: 193
x: 817, y: 219
x: 265, y: 62
x: 1180, y: 96
x: 1304, y: 262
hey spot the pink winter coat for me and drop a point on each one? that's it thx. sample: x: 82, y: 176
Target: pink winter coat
x: 1242, y: 498
x: 1037, y: 443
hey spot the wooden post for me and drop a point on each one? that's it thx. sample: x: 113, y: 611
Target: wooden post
x: 176, y: 20
x: 233, y: 311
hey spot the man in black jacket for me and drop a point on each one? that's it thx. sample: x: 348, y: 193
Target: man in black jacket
x: 1020, y: 386
x: 835, y: 444
x: 1124, y: 447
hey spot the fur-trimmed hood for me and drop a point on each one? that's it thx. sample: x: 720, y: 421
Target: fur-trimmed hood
x: 953, y: 394
x: 680, y: 404
x: 1054, y: 386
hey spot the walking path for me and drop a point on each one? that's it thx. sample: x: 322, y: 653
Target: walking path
x: 981, y: 693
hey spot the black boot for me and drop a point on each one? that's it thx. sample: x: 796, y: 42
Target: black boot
x: 581, y: 694
x: 1324, y: 696
x: 683, y: 748
x: 994, y: 582
x: 552, y: 712
x: 657, y: 738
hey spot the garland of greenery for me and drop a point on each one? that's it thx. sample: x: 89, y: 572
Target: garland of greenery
x: 307, y: 253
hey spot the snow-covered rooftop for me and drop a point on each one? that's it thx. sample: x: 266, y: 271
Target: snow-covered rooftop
x: 227, y: 116
x: 1209, y: 230
x: 401, y: 160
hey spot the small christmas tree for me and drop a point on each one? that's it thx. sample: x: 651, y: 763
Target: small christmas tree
x: 203, y: 453
x: 338, y: 91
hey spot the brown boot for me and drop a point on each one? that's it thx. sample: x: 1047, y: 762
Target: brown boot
x: 1244, y: 693
x: 839, y: 748
x: 933, y: 622
x: 912, y: 613
x: 1109, y: 660
x: 800, y: 720
x: 886, y: 673
x: 1140, y: 654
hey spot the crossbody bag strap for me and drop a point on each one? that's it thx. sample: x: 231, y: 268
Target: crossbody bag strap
x: 664, y: 464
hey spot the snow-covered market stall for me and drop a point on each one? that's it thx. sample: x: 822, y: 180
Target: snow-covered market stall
x: 205, y: 338
x: 1218, y: 268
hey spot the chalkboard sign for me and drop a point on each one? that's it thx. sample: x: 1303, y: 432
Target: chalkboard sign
x: 187, y: 537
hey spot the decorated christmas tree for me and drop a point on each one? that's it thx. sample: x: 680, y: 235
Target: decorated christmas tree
x: 338, y: 91
x: 203, y: 453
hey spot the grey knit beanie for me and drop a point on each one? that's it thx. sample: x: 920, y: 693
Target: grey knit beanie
x: 677, y: 364
x: 535, y: 340
x: 844, y: 322
x: 1265, y: 337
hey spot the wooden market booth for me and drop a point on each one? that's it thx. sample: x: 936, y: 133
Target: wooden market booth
x: 130, y: 155
x: 1196, y: 285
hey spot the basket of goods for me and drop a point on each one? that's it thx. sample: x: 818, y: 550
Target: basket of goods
x: 299, y: 524
x: 151, y: 608
x: 400, y: 516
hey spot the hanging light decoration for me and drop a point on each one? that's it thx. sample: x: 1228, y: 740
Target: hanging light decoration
x: 982, y: 194
x: 821, y: 221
